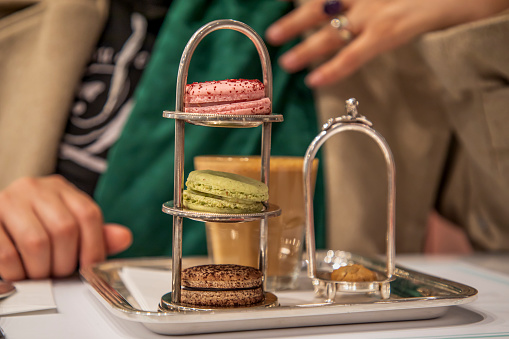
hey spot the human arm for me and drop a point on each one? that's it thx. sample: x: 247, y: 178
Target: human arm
x: 377, y: 26
x: 47, y: 226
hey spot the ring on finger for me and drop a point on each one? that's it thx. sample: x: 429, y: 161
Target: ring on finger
x: 341, y: 23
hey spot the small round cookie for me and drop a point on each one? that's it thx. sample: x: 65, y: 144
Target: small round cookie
x: 222, y: 192
x: 227, y: 185
x: 224, y: 91
x: 224, y: 276
x: 353, y: 273
x: 228, y: 298
x: 231, y: 96
x: 221, y: 285
x: 207, y: 203
x: 260, y: 106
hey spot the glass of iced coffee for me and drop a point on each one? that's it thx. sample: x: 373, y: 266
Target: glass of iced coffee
x: 239, y: 243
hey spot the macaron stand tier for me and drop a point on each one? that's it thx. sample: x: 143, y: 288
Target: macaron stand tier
x: 172, y: 301
x: 324, y: 286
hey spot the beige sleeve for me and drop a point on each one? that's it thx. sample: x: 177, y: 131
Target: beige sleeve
x: 44, y: 48
x: 472, y: 63
x: 445, y: 85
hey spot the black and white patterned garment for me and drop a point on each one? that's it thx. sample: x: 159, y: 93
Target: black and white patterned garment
x: 104, y: 101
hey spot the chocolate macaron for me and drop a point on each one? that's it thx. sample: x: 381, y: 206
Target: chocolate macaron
x: 224, y: 285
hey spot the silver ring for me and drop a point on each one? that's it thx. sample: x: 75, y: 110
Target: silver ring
x: 341, y: 23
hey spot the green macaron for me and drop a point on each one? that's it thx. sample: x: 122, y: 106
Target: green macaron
x: 222, y: 192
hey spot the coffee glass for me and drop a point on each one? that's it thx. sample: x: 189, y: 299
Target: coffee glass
x: 239, y: 243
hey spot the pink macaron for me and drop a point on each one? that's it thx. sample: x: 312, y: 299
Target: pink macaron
x: 231, y: 96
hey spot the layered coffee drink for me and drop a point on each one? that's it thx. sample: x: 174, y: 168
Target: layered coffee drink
x: 239, y: 243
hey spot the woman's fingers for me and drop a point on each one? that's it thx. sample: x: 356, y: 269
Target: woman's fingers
x: 92, y: 248
x: 61, y: 226
x: 323, y: 43
x: 28, y: 235
x: 364, y: 48
x: 296, y: 22
x: 47, y: 225
x: 117, y: 237
x: 11, y: 266
x: 375, y: 25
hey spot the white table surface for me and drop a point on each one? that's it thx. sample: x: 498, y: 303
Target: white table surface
x: 79, y: 313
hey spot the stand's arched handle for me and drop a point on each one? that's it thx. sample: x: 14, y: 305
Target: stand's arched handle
x: 178, y: 175
x: 352, y: 121
x: 212, y: 26
x: 183, y: 70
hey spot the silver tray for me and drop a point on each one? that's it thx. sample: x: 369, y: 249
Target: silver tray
x: 414, y: 296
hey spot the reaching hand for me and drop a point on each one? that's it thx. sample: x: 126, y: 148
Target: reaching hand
x: 47, y: 225
x: 376, y: 26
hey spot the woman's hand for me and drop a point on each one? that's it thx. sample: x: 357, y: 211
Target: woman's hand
x: 376, y: 26
x: 47, y: 225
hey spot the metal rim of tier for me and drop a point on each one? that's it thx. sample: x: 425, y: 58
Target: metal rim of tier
x: 270, y: 212
x: 223, y: 120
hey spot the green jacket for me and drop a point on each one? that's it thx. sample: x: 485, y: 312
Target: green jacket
x: 139, y: 178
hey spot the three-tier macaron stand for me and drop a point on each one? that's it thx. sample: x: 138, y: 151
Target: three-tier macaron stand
x: 171, y: 301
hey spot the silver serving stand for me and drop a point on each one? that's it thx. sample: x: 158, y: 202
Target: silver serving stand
x: 172, y: 301
x: 413, y: 295
x: 324, y: 286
